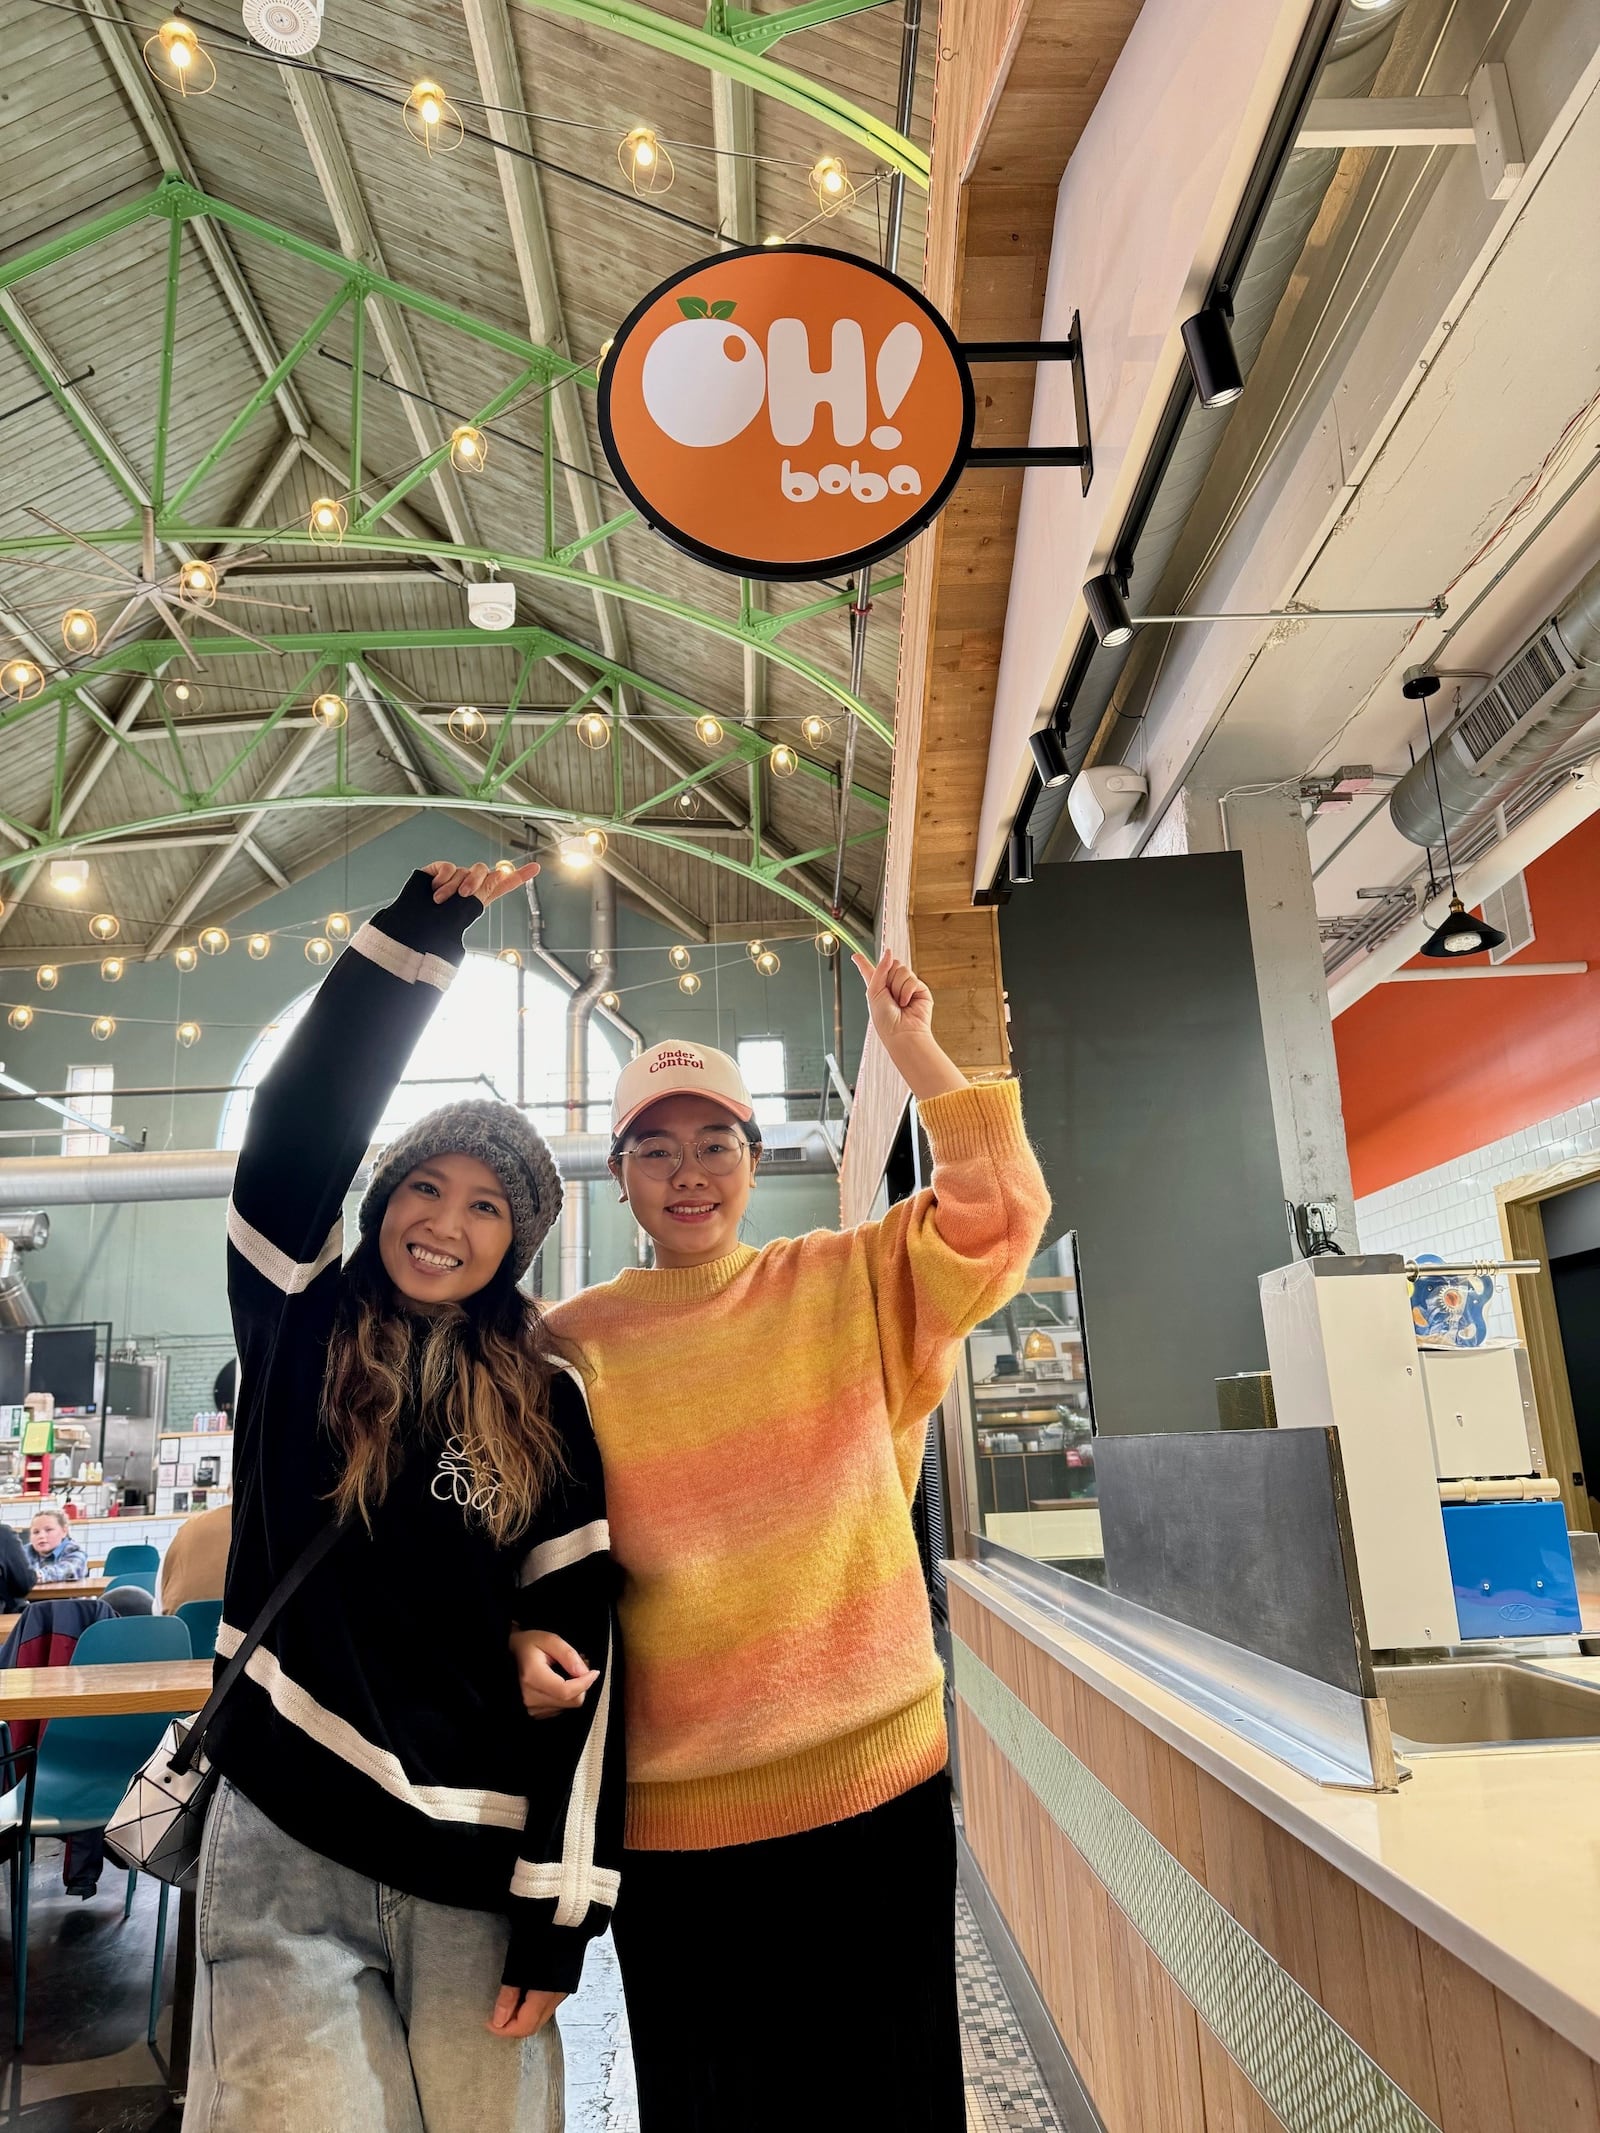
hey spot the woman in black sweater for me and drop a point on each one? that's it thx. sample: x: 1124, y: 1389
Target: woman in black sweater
x: 401, y: 1870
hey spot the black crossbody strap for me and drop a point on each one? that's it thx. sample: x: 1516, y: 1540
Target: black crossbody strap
x: 287, y: 1586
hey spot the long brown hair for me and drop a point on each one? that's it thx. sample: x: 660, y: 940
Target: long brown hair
x: 479, y: 1366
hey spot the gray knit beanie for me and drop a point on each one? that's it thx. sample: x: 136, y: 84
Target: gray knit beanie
x: 497, y: 1135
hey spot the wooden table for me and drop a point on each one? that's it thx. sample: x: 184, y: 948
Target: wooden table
x: 176, y: 1685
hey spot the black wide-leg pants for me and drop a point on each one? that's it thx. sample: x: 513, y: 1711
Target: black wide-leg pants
x: 806, y: 1982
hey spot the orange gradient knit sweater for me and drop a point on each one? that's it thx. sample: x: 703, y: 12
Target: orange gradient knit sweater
x: 762, y: 1423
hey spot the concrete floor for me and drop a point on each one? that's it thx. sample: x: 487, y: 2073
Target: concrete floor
x: 87, y: 2069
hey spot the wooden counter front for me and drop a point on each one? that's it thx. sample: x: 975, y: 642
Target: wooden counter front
x: 1440, y: 2043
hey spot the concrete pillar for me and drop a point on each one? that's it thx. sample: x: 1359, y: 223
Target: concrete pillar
x: 1267, y: 831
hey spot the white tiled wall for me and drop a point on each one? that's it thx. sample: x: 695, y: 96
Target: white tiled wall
x: 1451, y: 1210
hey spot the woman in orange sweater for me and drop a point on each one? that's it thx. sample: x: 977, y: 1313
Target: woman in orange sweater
x: 761, y: 1416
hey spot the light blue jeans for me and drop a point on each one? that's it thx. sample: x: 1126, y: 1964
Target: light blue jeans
x: 328, y: 2003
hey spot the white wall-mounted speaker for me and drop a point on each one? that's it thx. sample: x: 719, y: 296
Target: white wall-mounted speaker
x: 1102, y: 799
x: 291, y: 27
x: 492, y: 604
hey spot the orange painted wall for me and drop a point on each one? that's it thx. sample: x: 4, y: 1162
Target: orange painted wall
x: 1428, y: 1072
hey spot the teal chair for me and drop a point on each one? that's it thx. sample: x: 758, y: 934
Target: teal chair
x: 204, y: 1619
x: 144, y: 1579
x: 85, y: 1765
x: 131, y: 1555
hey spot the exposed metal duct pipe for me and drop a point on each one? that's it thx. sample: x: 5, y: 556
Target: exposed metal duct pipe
x: 557, y: 968
x: 580, y: 1011
x: 1356, y: 51
x: 28, y: 1231
x: 17, y: 1305
x: 798, y: 1150
x: 1538, y: 685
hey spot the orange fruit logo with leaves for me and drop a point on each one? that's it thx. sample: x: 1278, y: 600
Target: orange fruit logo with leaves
x: 786, y: 412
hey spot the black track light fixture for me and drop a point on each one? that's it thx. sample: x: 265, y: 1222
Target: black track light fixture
x: 1461, y: 934
x: 1208, y: 344
x: 1106, y: 598
x: 1019, y: 857
x: 1049, y: 752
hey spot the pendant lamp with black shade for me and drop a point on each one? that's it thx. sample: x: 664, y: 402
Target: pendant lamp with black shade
x: 1461, y: 933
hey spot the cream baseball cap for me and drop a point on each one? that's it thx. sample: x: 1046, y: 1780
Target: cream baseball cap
x: 677, y: 1069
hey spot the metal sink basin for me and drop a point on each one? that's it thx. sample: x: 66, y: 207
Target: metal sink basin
x: 1471, y: 1703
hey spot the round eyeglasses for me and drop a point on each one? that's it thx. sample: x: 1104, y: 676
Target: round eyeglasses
x: 718, y: 1154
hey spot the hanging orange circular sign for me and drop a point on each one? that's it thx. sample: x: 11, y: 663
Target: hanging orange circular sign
x: 785, y: 411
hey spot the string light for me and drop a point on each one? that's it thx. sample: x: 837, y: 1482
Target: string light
x: 573, y: 852
x: 432, y: 120
x: 754, y: 948
x: 644, y: 162
x: 212, y: 941
x: 594, y: 730
x: 184, y: 64
x: 784, y: 761
x: 105, y: 925
x: 103, y: 1027
x: 337, y: 925
x: 688, y: 801
x: 595, y: 843
x: 815, y: 728
x: 258, y: 947
x: 198, y: 583
x: 826, y: 942
x: 21, y: 679
x: 467, y: 723
x: 69, y: 875
x: 469, y: 449
x: 79, y: 630
x: 329, y: 521
x: 510, y: 956
x: 20, y: 1017
x: 768, y: 963
x: 319, y: 949
x: 181, y: 696
x: 47, y: 977
x: 505, y: 867
x: 187, y: 958
x: 830, y: 181
x: 610, y: 1001
x: 599, y: 958
x: 330, y: 710
x: 606, y: 347
x: 679, y: 957
x: 689, y: 982
x: 708, y: 729
x: 188, y: 1034
x: 111, y: 968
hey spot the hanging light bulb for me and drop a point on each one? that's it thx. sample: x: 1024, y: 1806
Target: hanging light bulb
x: 431, y: 119
x: 212, y: 940
x: 258, y: 947
x: 826, y: 942
x: 599, y: 958
x: 70, y: 876
x: 707, y: 729
x: 606, y: 347
x: 47, y: 977
x: 329, y: 521
x: 687, y: 802
x: 679, y: 957
x: 105, y: 925
x: 183, y: 697
x: 187, y: 958
x: 768, y: 963
x: 511, y: 956
x: 594, y: 730
x: 644, y: 161
x: 183, y: 63
x: 610, y: 1001
x: 20, y: 1017
x: 830, y: 181
x: 337, y: 925
x: 79, y: 630
x: 784, y: 761
x: 103, y: 1026
x: 111, y: 968
x: 689, y: 982
x: 197, y: 581
x: 319, y: 949
x: 573, y: 852
x: 188, y: 1034
x: 21, y: 679
x: 503, y: 867
x: 467, y: 723
x: 469, y: 449
x: 754, y: 948
x: 815, y: 728
x: 594, y: 843
x: 330, y: 710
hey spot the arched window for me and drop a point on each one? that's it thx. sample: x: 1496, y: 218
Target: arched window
x: 474, y: 1032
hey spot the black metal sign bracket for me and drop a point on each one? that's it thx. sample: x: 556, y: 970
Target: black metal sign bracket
x: 1079, y: 455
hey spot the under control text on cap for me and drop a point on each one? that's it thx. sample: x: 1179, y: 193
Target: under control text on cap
x: 678, y: 1069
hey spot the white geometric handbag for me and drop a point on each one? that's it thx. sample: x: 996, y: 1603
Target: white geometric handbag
x: 162, y: 1818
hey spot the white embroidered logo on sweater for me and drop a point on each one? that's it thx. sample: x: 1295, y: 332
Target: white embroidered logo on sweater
x: 460, y: 1483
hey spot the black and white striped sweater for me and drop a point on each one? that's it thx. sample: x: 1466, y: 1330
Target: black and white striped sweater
x: 380, y: 1722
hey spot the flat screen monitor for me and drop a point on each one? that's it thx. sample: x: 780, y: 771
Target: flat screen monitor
x: 13, y: 1366
x: 63, y: 1364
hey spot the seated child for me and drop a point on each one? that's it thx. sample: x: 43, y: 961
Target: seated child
x: 56, y: 1557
